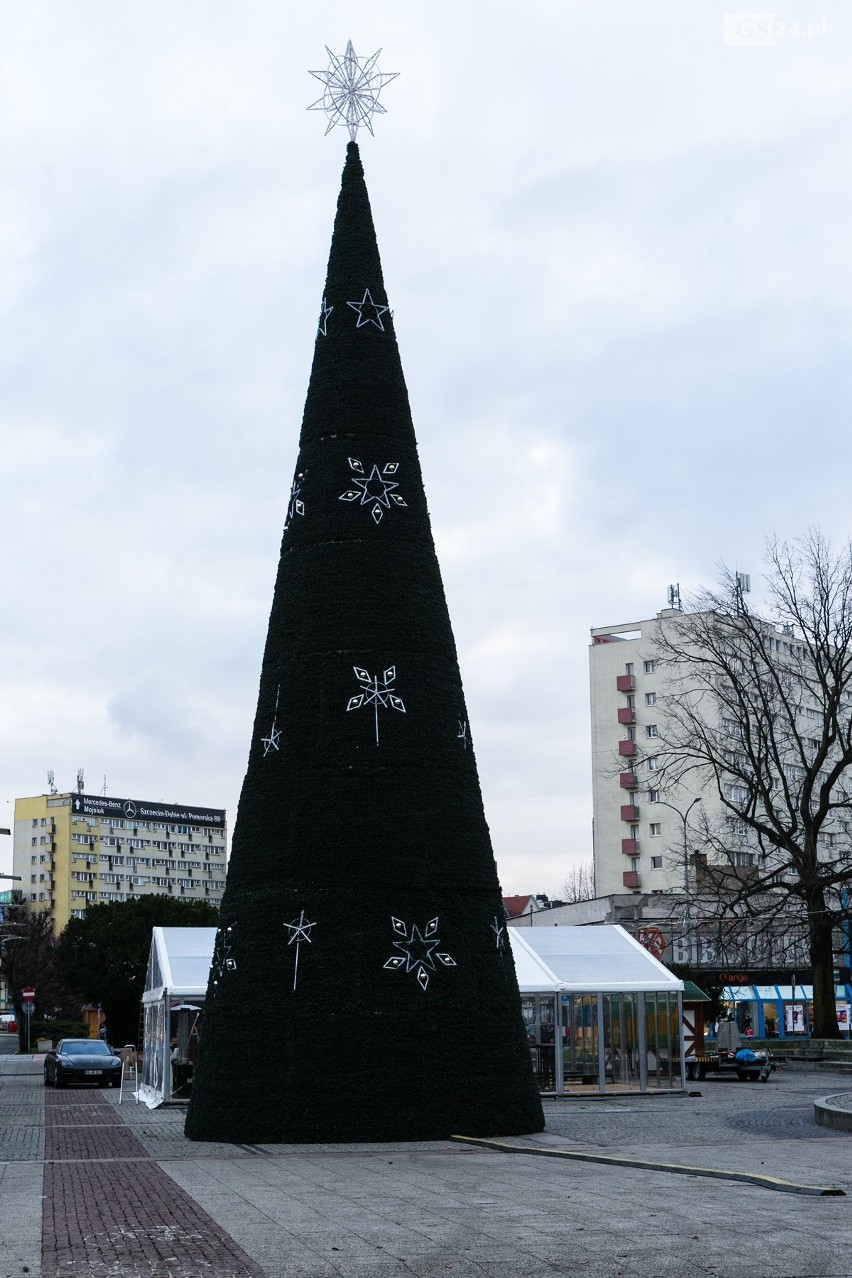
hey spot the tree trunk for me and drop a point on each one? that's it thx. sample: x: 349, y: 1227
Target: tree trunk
x: 822, y: 963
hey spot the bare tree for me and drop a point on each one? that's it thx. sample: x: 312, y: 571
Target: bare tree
x: 579, y: 883
x: 760, y: 712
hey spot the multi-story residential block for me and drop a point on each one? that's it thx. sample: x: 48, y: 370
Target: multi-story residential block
x: 72, y: 850
x: 638, y: 835
x: 647, y: 829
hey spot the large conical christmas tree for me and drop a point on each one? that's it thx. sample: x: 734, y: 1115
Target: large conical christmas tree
x: 362, y: 986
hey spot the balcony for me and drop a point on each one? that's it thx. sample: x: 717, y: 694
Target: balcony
x: 630, y: 847
x: 630, y: 879
x: 625, y: 683
x: 629, y: 812
x: 627, y: 715
x: 627, y: 749
x: 628, y: 780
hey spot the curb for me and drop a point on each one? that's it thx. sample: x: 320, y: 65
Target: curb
x: 749, y: 1178
x: 834, y: 1111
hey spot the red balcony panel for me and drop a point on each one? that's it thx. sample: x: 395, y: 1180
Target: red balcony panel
x: 625, y: 683
x: 628, y: 780
x: 629, y: 811
x: 627, y: 748
x: 630, y: 879
x: 627, y: 715
x: 630, y: 847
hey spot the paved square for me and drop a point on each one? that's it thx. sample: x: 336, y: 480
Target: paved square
x: 126, y: 1194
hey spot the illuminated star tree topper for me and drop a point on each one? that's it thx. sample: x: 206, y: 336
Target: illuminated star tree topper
x: 352, y: 89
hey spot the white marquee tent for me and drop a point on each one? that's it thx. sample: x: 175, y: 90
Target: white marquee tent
x: 175, y: 986
x: 598, y: 1007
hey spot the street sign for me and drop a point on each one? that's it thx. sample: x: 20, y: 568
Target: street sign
x: 29, y: 1007
x: 28, y: 993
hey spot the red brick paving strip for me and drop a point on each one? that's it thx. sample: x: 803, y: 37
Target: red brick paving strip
x: 110, y: 1211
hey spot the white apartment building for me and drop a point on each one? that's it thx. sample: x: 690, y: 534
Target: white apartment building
x: 638, y: 832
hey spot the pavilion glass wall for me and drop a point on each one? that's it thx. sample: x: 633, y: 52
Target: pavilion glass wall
x: 628, y: 1039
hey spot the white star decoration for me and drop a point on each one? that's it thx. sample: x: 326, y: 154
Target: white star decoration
x: 300, y: 930
x: 462, y: 732
x: 352, y: 90
x: 322, y: 322
x: 374, y: 488
x: 271, y: 742
x: 499, y: 932
x: 375, y: 695
x: 417, y: 949
x: 364, y: 307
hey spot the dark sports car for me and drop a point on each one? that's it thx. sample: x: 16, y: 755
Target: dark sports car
x: 82, y: 1060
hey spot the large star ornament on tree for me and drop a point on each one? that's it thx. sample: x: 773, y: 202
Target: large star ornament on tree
x: 352, y: 90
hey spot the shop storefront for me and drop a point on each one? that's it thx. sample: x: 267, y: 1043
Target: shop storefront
x: 781, y: 1011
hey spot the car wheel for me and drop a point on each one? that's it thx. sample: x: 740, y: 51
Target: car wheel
x: 46, y: 1079
x: 58, y: 1080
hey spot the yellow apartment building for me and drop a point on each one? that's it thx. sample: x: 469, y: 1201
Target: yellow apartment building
x: 72, y: 850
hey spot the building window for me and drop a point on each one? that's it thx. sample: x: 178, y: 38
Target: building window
x: 653, y: 796
x: 656, y: 862
x: 654, y: 765
x: 628, y: 670
x: 651, y: 730
x: 650, y: 667
x: 34, y: 842
x: 656, y: 829
x: 650, y: 698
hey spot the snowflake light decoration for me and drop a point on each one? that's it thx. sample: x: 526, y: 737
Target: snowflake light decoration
x: 352, y: 89
x: 499, y: 931
x: 375, y: 488
x: 461, y: 735
x: 300, y: 930
x: 295, y: 505
x: 271, y: 742
x: 418, y: 951
x: 223, y: 959
x: 376, y: 694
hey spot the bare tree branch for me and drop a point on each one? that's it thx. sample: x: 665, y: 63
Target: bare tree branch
x: 760, y: 714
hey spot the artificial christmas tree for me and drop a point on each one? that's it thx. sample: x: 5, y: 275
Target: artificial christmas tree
x: 362, y: 986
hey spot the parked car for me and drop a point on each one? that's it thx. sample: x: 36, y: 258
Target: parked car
x: 82, y: 1060
x: 8, y: 1022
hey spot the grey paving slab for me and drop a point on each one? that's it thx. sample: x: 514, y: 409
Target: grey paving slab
x: 20, y: 1196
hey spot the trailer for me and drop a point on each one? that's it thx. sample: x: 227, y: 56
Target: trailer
x: 748, y: 1066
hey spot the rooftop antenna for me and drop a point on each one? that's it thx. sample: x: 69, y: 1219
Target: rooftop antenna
x: 103, y: 791
x: 674, y: 596
x: 743, y: 587
x: 51, y: 782
x: 79, y: 780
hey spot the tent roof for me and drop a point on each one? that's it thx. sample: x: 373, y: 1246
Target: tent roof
x: 575, y: 960
x: 179, y: 962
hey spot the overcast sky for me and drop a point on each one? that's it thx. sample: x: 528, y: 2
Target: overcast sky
x: 617, y: 244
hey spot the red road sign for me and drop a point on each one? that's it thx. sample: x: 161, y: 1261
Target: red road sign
x: 28, y: 993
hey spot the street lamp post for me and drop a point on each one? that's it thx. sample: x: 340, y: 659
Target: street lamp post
x: 684, y: 816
